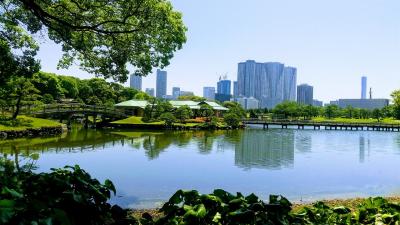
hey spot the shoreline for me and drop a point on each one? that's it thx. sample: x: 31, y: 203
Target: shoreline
x: 33, y: 132
x: 350, y: 203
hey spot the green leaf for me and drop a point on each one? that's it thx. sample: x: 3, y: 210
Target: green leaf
x: 110, y: 186
x: 12, y: 192
x: 6, y: 203
x: 341, y: 210
x: 217, y: 217
x: 252, y: 198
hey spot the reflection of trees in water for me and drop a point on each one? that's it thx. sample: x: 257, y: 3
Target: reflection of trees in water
x: 154, y: 145
x: 206, y: 139
x: 265, y: 149
x: 74, y: 141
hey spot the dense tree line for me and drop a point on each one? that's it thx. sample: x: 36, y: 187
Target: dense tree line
x: 293, y: 110
x: 48, y: 88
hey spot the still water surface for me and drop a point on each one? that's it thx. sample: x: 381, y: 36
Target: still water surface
x: 147, y: 167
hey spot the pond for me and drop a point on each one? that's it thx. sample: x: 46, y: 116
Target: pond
x: 147, y: 167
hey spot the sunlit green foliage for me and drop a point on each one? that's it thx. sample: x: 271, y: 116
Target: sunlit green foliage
x: 102, y: 36
x: 396, y: 104
x: 183, y: 113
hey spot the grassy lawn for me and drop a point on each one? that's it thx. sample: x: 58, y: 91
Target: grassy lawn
x: 134, y: 120
x: 347, y: 120
x: 31, y: 123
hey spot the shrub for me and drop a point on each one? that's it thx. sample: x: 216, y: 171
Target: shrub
x: 47, y: 99
x: 221, y: 207
x: 63, y: 196
x: 168, y: 118
x: 232, y: 120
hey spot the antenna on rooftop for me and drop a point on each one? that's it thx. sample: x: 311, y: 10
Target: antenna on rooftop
x: 370, y: 93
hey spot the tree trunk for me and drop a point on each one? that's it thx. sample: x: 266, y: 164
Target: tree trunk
x: 18, y: 105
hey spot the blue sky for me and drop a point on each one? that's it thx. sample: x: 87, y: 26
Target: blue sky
x: 332, y: 44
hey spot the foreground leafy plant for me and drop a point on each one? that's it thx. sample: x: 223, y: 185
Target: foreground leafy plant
x: 221, y: 207
x: 65, y: 196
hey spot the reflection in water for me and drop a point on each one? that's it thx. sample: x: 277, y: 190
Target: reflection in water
x: 264, y: 149
x: 362, y: 149
x: 254, y: 148
x: 149, y: 166
x: 363, y: 145
x: 75, y: 141
x: 303, y: 141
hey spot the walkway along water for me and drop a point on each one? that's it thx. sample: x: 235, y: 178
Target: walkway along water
x: 327, y: 125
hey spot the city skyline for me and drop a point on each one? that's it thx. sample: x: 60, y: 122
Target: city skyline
x: 329, y: 51
x: 271, y: 83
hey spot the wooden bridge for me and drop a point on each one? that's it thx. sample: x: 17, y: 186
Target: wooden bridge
x: 68, y: 111
x: 299, y: 124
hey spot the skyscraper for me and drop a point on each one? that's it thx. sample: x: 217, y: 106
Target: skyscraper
x: 150, y: 91
x: 209, y: 93
x: 305, y: 94
x: 176, y: 92
x: 235, y: 89
x: 224, y: 87
x: 289, y: 83
x: 136, y: 82
x: 161, y: 83
x: 270, y: 83
x: 363, y: 87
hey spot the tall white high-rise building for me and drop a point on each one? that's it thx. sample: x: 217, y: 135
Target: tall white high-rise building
x: 136, y: 82
x: 161, y: 83
x: 363, y: 87
x: 270, y: 83
x: 209, y: 93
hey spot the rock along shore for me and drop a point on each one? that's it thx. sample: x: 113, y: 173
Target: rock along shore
x: 33, y: 132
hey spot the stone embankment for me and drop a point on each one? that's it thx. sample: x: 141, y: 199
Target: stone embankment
x: 33, y: 132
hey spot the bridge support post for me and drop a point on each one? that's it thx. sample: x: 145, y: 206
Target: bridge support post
x: 94, y: 120
x: 69, y: 121
x: 86, y: 122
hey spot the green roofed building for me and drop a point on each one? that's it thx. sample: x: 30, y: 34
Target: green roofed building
x: 133, y: 107
x: 136, y: 107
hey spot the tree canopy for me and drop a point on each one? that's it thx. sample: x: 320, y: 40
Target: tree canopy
x: 102, y: 36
